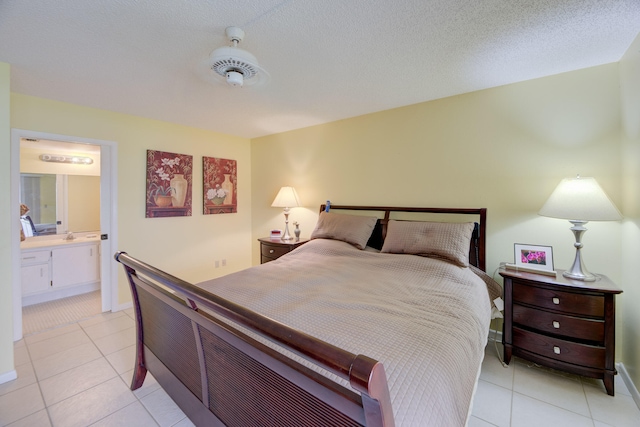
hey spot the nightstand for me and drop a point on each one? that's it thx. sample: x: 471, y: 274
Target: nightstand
x: 561, y: 323
x: 271, y: 249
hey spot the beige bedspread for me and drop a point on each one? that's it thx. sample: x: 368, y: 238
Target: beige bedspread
x: 425, y: 319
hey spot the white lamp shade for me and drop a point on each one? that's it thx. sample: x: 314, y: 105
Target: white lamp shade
x: 286, y: 198
x: 580, y: 199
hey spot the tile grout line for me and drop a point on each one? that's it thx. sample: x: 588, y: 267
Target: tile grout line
x: 29, y: 363
x: 593, y: 420
x: 582, y: 385
x: 120, y: 376
x: 513, y: 385
x: 35, y: 375
x: 102, y: 356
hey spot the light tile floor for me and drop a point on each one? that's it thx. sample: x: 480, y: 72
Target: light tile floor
x: 525, y: 395
x: 78, y: 375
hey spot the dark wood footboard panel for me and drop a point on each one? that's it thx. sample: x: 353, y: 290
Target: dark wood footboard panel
x: 219, y: 375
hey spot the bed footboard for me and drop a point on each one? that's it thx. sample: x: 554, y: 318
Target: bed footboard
x: 219, y: 375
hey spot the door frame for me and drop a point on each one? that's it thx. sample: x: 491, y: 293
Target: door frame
x: 108, y: 218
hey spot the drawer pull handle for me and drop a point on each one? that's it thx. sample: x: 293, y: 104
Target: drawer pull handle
x: 556, y: 324
x: 29, y: 257
x: 556, y: 300
x: 270, y: 251
x: 556, y: 349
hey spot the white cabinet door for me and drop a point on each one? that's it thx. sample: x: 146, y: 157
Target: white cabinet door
x: 35, y: 272
x: 35, y: 278
x: 75, y: 265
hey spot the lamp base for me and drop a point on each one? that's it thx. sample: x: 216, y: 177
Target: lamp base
x: 578, y: 271
x: 286, y: 236
x: 580, y: 276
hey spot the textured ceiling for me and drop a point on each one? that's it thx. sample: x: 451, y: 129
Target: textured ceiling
x: 328, y: 59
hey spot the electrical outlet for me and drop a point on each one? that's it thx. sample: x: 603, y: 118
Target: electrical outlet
x: 224, y: 262
x: 217, y: 263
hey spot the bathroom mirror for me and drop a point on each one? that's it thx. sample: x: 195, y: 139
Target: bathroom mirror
x: 61, y: 203
x: 62, y: 195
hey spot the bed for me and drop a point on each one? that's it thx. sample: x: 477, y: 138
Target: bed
x: 374, y: 321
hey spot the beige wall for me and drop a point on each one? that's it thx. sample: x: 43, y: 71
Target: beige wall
x: 6, y: 301
x: 183, y: 246
x: 630, y: 324
x: 505, y: 149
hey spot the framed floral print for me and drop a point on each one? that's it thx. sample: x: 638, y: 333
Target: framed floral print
x: 169, y: 184
x: 219, y: 185
x: 534, y: 257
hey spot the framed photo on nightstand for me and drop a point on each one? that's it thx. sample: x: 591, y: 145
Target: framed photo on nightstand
x: 533, y: 257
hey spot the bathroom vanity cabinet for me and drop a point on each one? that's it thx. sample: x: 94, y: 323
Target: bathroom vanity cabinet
x: 59, y: 270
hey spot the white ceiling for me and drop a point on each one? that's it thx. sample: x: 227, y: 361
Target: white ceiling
x: 328, y: 59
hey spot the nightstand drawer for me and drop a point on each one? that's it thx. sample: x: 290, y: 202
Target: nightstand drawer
x: 273, y: 251
x: 567, y: 302
x: 558, y: 349
x: 559, y: 324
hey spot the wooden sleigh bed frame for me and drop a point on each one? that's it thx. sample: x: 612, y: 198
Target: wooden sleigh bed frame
x: 219, y: 375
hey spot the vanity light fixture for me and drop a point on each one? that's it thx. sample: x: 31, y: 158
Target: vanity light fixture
x: 56, y: 158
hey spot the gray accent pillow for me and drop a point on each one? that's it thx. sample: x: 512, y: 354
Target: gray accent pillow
x: 348, y: 228
x: 447, y: 240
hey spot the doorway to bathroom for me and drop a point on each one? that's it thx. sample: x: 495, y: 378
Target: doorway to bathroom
x: 90, y: 232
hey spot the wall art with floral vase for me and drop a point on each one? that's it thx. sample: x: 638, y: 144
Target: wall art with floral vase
x: 169, y: 184
x: 220, y: 185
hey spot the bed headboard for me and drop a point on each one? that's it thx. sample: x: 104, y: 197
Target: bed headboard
x: 477, y: 244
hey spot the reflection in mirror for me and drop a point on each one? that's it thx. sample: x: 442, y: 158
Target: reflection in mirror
x: 61, y: 203
x: 38, y: 193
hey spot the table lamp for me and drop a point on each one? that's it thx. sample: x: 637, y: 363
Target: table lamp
x: 580, y: 200
x: 286, y: 198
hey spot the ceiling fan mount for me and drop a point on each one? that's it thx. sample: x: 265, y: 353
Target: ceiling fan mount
x: 234, y: 65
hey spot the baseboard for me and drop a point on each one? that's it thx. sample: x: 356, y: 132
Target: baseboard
x: 65, y: 292
x: 8, y: 376
x: 622, y: 371
x: 121, y: 307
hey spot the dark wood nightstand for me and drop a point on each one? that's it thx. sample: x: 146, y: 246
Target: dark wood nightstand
x: 561, y: 323
x: 271, y: 249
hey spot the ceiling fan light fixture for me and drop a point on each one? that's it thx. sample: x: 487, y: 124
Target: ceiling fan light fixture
x: 234, y: 78
x: 236, y: 66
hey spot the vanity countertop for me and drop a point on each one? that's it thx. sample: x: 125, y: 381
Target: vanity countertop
x: 58, y: 240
